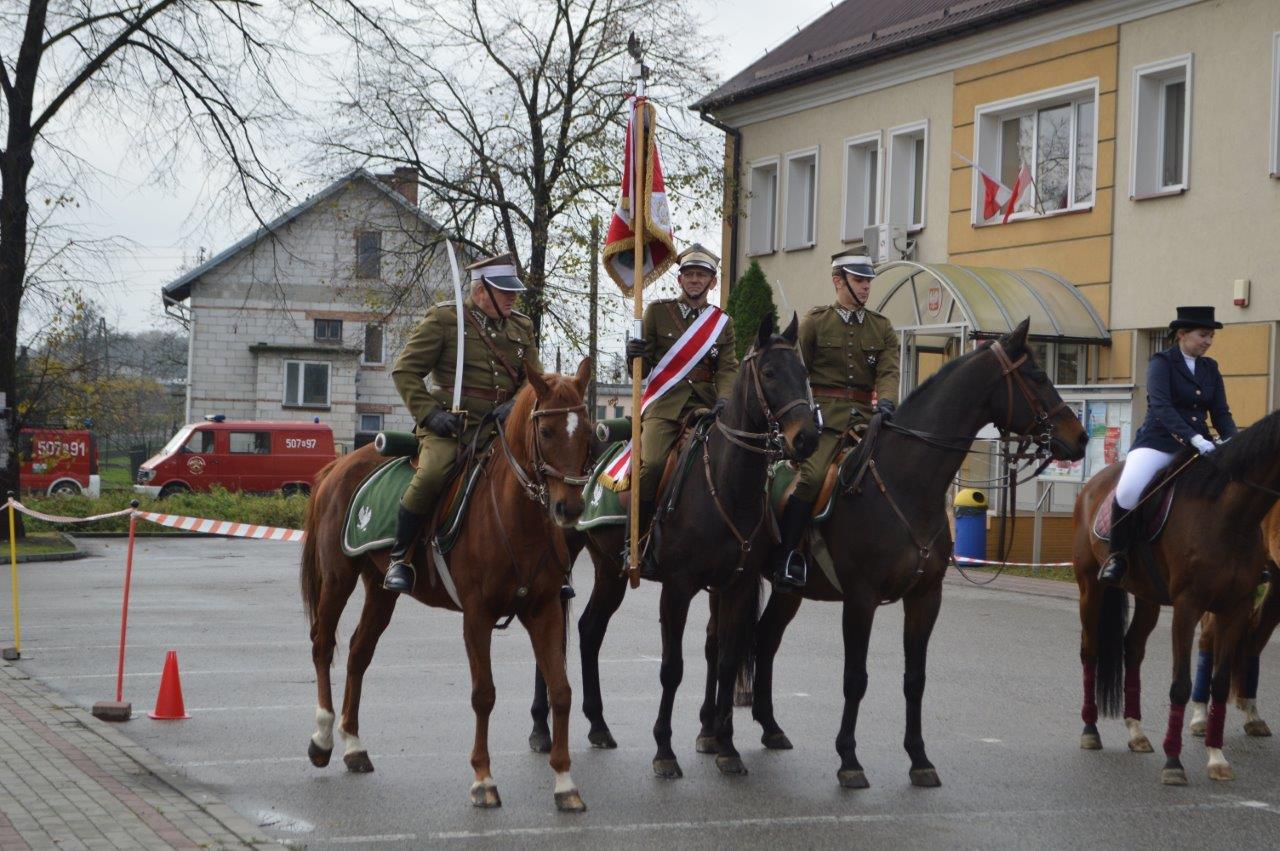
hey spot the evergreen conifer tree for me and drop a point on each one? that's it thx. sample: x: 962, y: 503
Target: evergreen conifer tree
x: 750, y: 300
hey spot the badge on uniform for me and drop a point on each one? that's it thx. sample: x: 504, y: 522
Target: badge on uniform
x: 713, y: 352
x: 871, y: 359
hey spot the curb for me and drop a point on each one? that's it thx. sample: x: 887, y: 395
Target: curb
x: 233, y: 822
x: 75, y: 553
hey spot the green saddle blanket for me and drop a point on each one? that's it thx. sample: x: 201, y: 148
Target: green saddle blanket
x: 371, y: 517
x: 603, y: 508
x: 783, y: 474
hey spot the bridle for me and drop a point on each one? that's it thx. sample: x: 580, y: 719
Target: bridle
x: 770, y: 442
x: 535, y: 483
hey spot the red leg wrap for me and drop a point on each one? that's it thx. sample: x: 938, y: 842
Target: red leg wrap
x: 1133, y: 693
x: 1089, y: 709
x: 1173, y: 735
x: 1217, y: 720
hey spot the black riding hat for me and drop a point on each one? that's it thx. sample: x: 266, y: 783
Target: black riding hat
x: 1195, y: 317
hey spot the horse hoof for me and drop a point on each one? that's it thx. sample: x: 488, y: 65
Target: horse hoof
x: 358, y: 762
x: 1221, y: 772
x: 853, y: 779
x: 1256, y: 727
x: 570, y: 802
x: 776, y: 741
x: 667, y: 769
x: 320, y: 757
x: 1090, y: 742
x: 540, y: 741
x: 1198, y: 728
x: 602, y: 739
x: 706, y: 744
x: 925, y: 778
x: 1173, y: 777
x: 1141, y: 745
x: 485, y: 797
x: 731, y: 765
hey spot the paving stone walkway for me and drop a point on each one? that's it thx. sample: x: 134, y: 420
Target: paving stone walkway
x: 69, y: 780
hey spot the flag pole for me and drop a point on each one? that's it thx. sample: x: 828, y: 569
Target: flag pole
x: 639, y: 215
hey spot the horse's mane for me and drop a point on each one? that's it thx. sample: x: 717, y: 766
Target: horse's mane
x: 1235, y: 460
x: 929, y: 384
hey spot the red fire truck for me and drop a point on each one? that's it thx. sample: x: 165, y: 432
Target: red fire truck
x: 59, y: 461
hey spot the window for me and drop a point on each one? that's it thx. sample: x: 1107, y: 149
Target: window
x: 762, y: 210
x: 306, y: 383
x: 906, y: 175
x: 373, y: 344
x: 250, y: 442
x: 371, y: 422
x: 328, y: 330
x: 199, y: 443
x: 368, y: 254
x: 1054, y: 134
x: 801, y: 212
x: 600, y: 414
x: 1161, y: 127
x: 1064, y: 363
x: 861, y: 186
x: 1275, y: 106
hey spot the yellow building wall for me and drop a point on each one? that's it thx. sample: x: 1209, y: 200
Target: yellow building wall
x: 1076, y: 245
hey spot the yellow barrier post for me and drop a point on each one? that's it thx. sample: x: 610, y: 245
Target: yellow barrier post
x: 15, y: 652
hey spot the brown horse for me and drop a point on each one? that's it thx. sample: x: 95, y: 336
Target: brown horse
x: 1244, y: 682
x: 1209, y: 558
x: 510, y: 558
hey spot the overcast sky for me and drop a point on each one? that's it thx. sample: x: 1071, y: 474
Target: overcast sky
x: 167, y: 224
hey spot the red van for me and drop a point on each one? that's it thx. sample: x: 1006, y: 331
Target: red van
x: 258, y: 457
x: 59, y: 460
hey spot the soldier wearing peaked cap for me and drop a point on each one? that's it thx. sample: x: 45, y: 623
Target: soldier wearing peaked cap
x: 851, y: 352
x: 707, y: 385
x: 498, y: 339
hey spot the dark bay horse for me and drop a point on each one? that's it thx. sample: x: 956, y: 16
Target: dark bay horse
x: 510, y: 558
x: 718, y: 518
x: 1209, y: 558
x: 888, y: 538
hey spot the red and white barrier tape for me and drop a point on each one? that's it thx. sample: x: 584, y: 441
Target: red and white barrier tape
x: 55, y: 518
x: 223, y: 527
x: 982, y: 562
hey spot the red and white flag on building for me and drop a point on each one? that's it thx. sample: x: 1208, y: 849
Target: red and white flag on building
x: 995, y: 195
x: 1020, y: 187
x: 619, y: 241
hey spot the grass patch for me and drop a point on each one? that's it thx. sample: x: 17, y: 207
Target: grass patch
x: 115, y: 476
x: 217, y: 504
x: 1059, y: 574
x: 42, y: 543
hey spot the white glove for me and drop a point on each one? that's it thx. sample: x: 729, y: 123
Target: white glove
x: 1203, y: 444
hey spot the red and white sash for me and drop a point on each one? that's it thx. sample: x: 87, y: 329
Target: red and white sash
x: 692, y: 347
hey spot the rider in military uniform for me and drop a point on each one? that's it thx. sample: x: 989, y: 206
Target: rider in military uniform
x: 850, y: 351
x: 497, y: 338
x: 707, y: 385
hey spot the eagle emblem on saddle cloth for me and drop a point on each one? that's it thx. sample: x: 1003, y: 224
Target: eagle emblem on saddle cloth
x: 365, y: 515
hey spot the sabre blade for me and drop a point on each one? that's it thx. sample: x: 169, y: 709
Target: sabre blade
x: 457, y: 298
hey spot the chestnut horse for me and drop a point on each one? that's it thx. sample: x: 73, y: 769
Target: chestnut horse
x: 510, y: 558
x: 888, y: 538
x: 1209, y: 558
x: 1244, y: 682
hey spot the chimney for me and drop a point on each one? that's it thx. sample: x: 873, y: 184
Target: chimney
x: 405, y: 181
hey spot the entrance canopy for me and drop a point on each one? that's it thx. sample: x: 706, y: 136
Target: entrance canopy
x: 987, y: 302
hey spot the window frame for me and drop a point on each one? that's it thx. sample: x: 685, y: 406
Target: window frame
x: 752, y: 167
x: 1160, y: 72
x: 1275, y: 106
x: 382, y: 348
x: 788, y: 159
x: 381, y: 423
x: 358, y: 268
x: 913, y: 129
x: 302, y: 375
x: 988, y: 120
x: 315, y: 330
x: 231, y: 449
x: 863, y: 140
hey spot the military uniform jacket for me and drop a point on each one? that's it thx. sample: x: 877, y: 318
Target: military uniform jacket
x: 432, y: 350
x: 664, y: 324
x: 1179, y: 404
x: 850, y: 355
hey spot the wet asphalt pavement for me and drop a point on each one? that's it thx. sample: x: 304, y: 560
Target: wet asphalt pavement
x: 1001, y: 721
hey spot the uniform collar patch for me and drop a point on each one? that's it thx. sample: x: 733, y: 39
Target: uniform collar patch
x: 847, y: 316
x: 687, y: 310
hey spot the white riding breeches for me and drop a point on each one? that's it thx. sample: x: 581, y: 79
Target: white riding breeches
x: 1140, y: 467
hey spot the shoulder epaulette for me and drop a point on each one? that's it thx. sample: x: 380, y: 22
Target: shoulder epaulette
x: 814, y: 311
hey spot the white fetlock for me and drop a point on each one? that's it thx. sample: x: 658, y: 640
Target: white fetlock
x: 1199, y: 717
x: 1249, y: 706
x: 564, y: 783
x: 485, y: 783
x: 323, y: 736
x: 353, y: 744
x: 1219, y: 768
x: 1135, y: 728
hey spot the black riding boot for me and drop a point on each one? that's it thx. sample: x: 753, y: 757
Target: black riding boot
x: 400, y: 575
x: 648, y: 567
x: 790, y: 570
x: 1123, y: 526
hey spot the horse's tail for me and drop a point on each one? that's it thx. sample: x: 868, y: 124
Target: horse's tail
x: 1114, y: 617
x: 309, y: 575
x: 744, y: 690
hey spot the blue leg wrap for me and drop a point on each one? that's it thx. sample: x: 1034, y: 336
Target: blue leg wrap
x: 1204, y: 673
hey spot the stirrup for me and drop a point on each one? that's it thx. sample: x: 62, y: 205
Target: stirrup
x: 396, y: 581
x: 794, y: 571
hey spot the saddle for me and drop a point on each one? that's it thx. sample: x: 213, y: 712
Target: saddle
x: 1152, y: 514
x: 857, y: 443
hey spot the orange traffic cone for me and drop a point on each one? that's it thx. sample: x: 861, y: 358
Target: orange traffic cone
x: 169, y: 706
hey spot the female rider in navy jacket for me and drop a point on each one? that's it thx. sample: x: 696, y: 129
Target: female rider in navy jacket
x: 1184, y: 389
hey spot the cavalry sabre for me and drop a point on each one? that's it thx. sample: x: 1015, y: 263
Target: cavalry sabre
x: 457, y: 298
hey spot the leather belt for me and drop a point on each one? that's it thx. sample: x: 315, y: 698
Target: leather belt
x: 851, y: 393
x: 489, y: 394
x: 699, y: 374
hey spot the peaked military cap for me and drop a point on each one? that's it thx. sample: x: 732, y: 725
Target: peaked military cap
x: 854, y: 264
x: 498, y: 272
x: 699, y: 256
